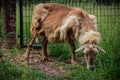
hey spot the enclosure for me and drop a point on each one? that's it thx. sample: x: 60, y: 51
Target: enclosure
x: 108, y: 21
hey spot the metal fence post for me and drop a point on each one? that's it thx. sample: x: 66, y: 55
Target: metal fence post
x: 21, y: 24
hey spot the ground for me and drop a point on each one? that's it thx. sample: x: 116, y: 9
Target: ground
x: 49, y: 68
x: 53, y: 68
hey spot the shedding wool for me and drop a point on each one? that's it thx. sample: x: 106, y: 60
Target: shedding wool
x: 90, y: 36
x: 39, y: 14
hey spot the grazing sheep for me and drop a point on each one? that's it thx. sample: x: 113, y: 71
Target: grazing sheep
x: 58, y: 23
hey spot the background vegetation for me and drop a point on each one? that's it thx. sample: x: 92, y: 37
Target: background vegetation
x: 107, y: 66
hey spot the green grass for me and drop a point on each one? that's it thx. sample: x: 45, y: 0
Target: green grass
x: 62, y: 51
x: 15, y: 72
x: 108, y: 64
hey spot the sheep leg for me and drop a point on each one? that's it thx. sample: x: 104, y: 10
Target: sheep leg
x: 73, y: 60
x: 44, y: 49
x: 27, y: 52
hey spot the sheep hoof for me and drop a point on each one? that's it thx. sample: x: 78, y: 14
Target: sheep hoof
x: 74, y: 62
x: 42, y: 59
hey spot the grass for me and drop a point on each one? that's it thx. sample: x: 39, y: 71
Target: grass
x: 107, y: 69
x: 62, y: 51
x: 108, y: 64
x: 10, y: 71
x: 15, y: 72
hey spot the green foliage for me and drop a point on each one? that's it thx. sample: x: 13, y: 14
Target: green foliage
x: 14, y: 72
x: 107, y: 2
x: 9, y: 72
x: 14, y: 52
x: 61, y: 51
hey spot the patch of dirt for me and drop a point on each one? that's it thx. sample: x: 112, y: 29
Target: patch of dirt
x: 49, y: 68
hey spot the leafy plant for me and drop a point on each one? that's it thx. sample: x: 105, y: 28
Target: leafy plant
x: 61, y: 51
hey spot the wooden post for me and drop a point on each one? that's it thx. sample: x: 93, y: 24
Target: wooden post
x: 10, y: 22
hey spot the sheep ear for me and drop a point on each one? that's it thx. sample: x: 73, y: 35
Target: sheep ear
x: 79, y: 49
x: 100, y: 49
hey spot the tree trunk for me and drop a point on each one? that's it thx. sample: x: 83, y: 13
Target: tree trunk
x: 10, y: 22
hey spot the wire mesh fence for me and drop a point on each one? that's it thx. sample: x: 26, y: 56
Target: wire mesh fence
x: 107, y: 13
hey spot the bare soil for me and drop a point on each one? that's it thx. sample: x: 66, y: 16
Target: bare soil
x: 49, y: 68
x: 53, y: 68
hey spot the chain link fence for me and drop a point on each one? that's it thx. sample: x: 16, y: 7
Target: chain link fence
x: 106, y: 11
